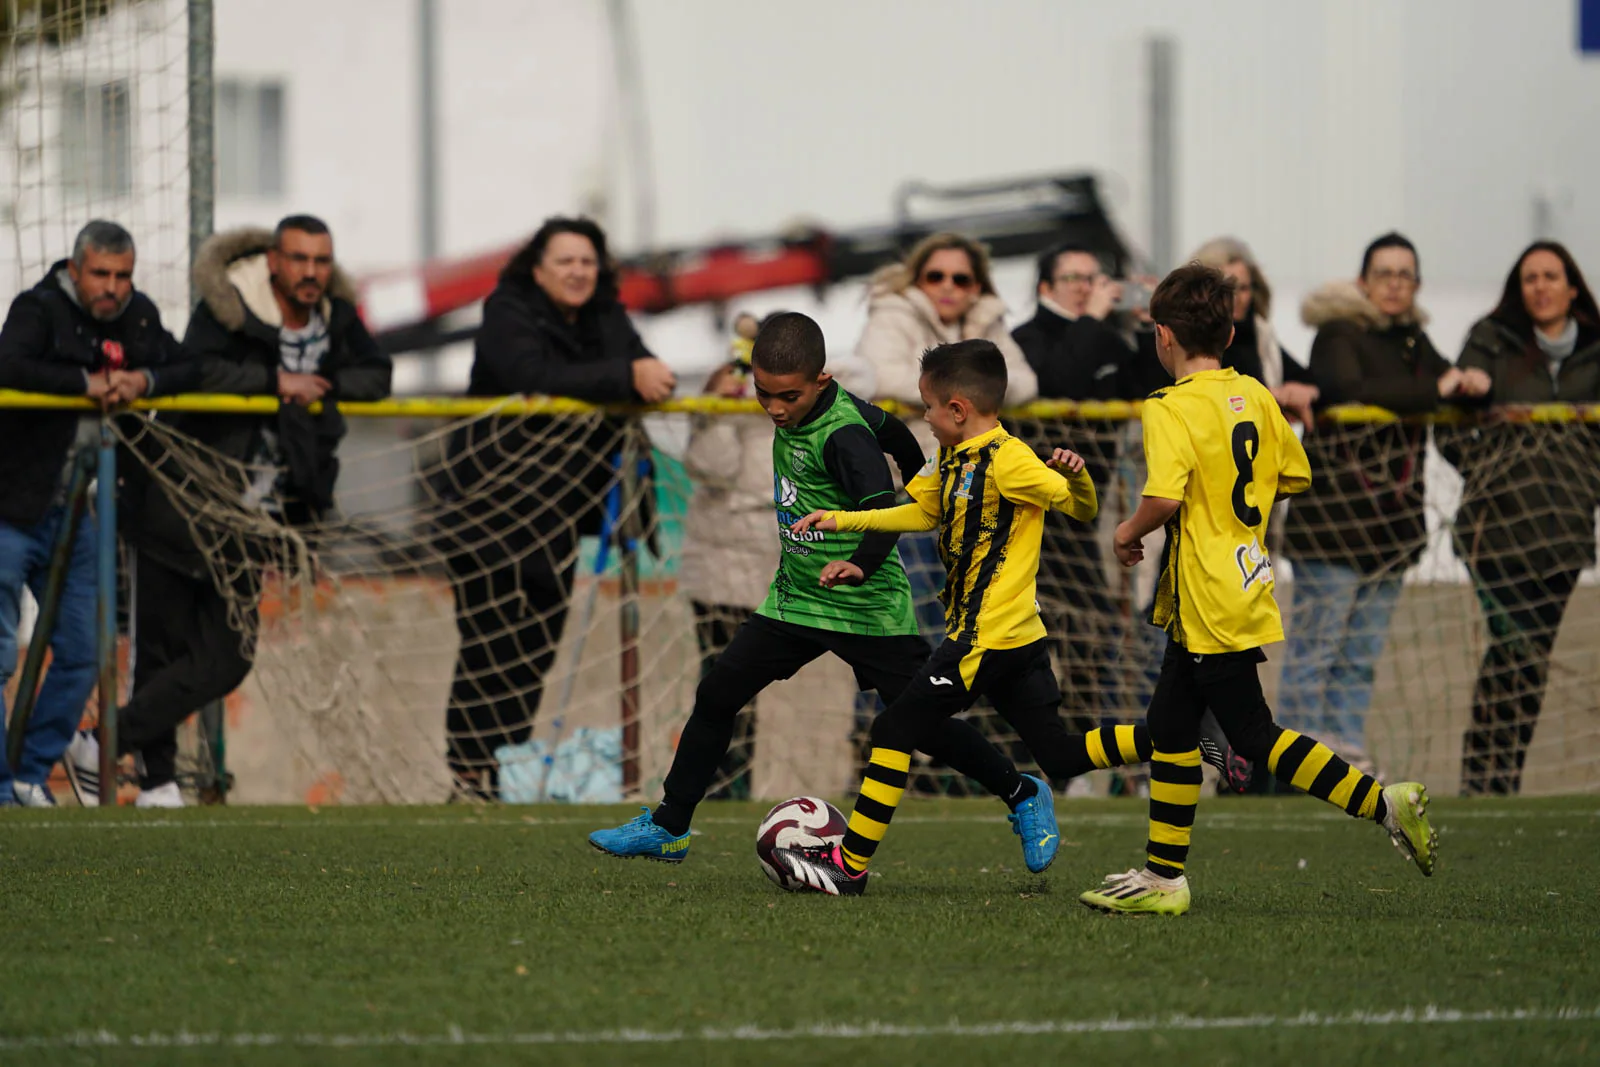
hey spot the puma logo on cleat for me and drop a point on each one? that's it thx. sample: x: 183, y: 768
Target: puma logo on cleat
x: 940, y: 681
x: 675, y: 846
x: 1045, y: 840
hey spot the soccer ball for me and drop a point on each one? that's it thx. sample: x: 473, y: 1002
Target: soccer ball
x: 799, y: 822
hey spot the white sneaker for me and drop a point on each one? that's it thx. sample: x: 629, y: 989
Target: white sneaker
x: 30, y: 795
x: 82, y: 763
x: 162, y: 796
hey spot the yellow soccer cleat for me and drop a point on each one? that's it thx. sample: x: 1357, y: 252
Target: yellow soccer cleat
x: 1140, y: 893
x: 1408, y: 826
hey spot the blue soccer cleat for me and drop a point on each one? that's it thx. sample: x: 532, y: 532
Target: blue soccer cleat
x: 1035, y: 822
x: 641, y: 837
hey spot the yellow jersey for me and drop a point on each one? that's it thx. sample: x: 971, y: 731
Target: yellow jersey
x: 1217, y: 443
x: 987, y: 496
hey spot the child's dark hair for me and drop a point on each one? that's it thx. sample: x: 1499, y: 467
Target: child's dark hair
x: 1195, y: 302
x: 790, y: 343
x: 972, y: 369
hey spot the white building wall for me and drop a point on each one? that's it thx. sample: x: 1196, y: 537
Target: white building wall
x: 1305, y: 128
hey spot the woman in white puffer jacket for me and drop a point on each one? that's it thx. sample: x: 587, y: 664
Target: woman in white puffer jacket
x: 941, y: 292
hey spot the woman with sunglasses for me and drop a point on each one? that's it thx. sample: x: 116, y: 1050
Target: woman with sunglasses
x: 941, y: 292
x: 1525, y: 527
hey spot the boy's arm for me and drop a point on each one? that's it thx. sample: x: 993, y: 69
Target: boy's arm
x: 919, y: 515
x: 1169, y: 460
x: 854, y: 459
x: 1294, y: 471
x: 1024, y: 477
x: 894, y: 438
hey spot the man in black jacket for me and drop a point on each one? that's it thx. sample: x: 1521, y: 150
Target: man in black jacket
x: 82, y: 331
x: 276, y: 318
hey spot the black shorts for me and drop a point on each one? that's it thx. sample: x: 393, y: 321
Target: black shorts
x: 1228, y: 683
x: 766, y: 650
x: 959, y: 673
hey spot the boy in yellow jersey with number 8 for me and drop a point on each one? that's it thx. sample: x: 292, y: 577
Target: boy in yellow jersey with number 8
x: 1218, y: 451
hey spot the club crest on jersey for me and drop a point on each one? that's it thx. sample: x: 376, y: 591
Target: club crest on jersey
x: 1255, y: 566
x: 797, y: 460
x: 965, y: 490
x: 1237, y: 404
x: 784, y: 492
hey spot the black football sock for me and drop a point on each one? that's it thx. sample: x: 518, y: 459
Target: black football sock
x: 1026, y: 790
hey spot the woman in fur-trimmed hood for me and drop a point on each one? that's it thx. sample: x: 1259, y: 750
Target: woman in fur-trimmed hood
x: 1361, y: 525
x: 940, y: 293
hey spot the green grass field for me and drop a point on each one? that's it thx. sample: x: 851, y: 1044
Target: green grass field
x: 470, y: 935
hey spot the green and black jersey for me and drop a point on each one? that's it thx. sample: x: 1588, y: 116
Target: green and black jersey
x: 834, y: 461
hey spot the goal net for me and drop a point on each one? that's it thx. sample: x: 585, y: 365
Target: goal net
x: 499, y: 608
x: 94, y: 121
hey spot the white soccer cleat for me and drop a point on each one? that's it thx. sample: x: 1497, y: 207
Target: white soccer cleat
x: 82, y: 763
x: 31, y: 795
x: 162, y: 796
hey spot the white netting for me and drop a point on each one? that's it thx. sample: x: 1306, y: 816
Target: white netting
x: 94, y: 124
x: 464, y: 614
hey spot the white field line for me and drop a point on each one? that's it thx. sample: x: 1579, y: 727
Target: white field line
x: 1210, y: 815
x: 1428, y: 1016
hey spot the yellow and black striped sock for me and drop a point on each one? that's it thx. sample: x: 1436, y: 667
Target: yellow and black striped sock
x: 881, y: 790
x: 1308, y: 764
x: 1097, y: 749
x: 1118, y: 746
x: 1174, y: 794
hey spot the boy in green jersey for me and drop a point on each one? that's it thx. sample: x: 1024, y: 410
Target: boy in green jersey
x: 844, y: 593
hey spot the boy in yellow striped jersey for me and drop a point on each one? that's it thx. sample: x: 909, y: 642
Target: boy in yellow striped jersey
x: 1218, y: 451
x: 987, y: 493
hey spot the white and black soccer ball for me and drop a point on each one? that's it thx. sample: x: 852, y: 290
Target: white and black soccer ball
x: 799, y: 822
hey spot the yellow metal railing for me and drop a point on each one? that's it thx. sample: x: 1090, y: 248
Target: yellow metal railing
x: 460, y: 407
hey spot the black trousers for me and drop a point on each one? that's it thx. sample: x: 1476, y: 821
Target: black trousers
x: 1523, y: 610
x: 764, y: 651
x: 511, y: 609
x: 185, y: 655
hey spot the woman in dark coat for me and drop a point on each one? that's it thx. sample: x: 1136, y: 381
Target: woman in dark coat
x: 1362, y: 524
x: 521, y: 491
x: 1525, y: 528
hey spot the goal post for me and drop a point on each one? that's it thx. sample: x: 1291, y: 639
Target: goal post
x: 106, y: 111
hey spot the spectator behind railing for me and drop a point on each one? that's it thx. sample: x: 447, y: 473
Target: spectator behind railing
x: 1076, y: 356
x: 729, y: 540
x: 1526, y: 524
x: 83, y: 330
x: 528, y: 488
x: 1352, y: 536
x: 1255, y: 349
x: 941, y: 292
x: 276, y: 318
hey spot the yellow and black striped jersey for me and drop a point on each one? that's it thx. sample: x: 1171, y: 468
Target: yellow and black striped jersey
x: 1216, y: 442
x: 987, y: 496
